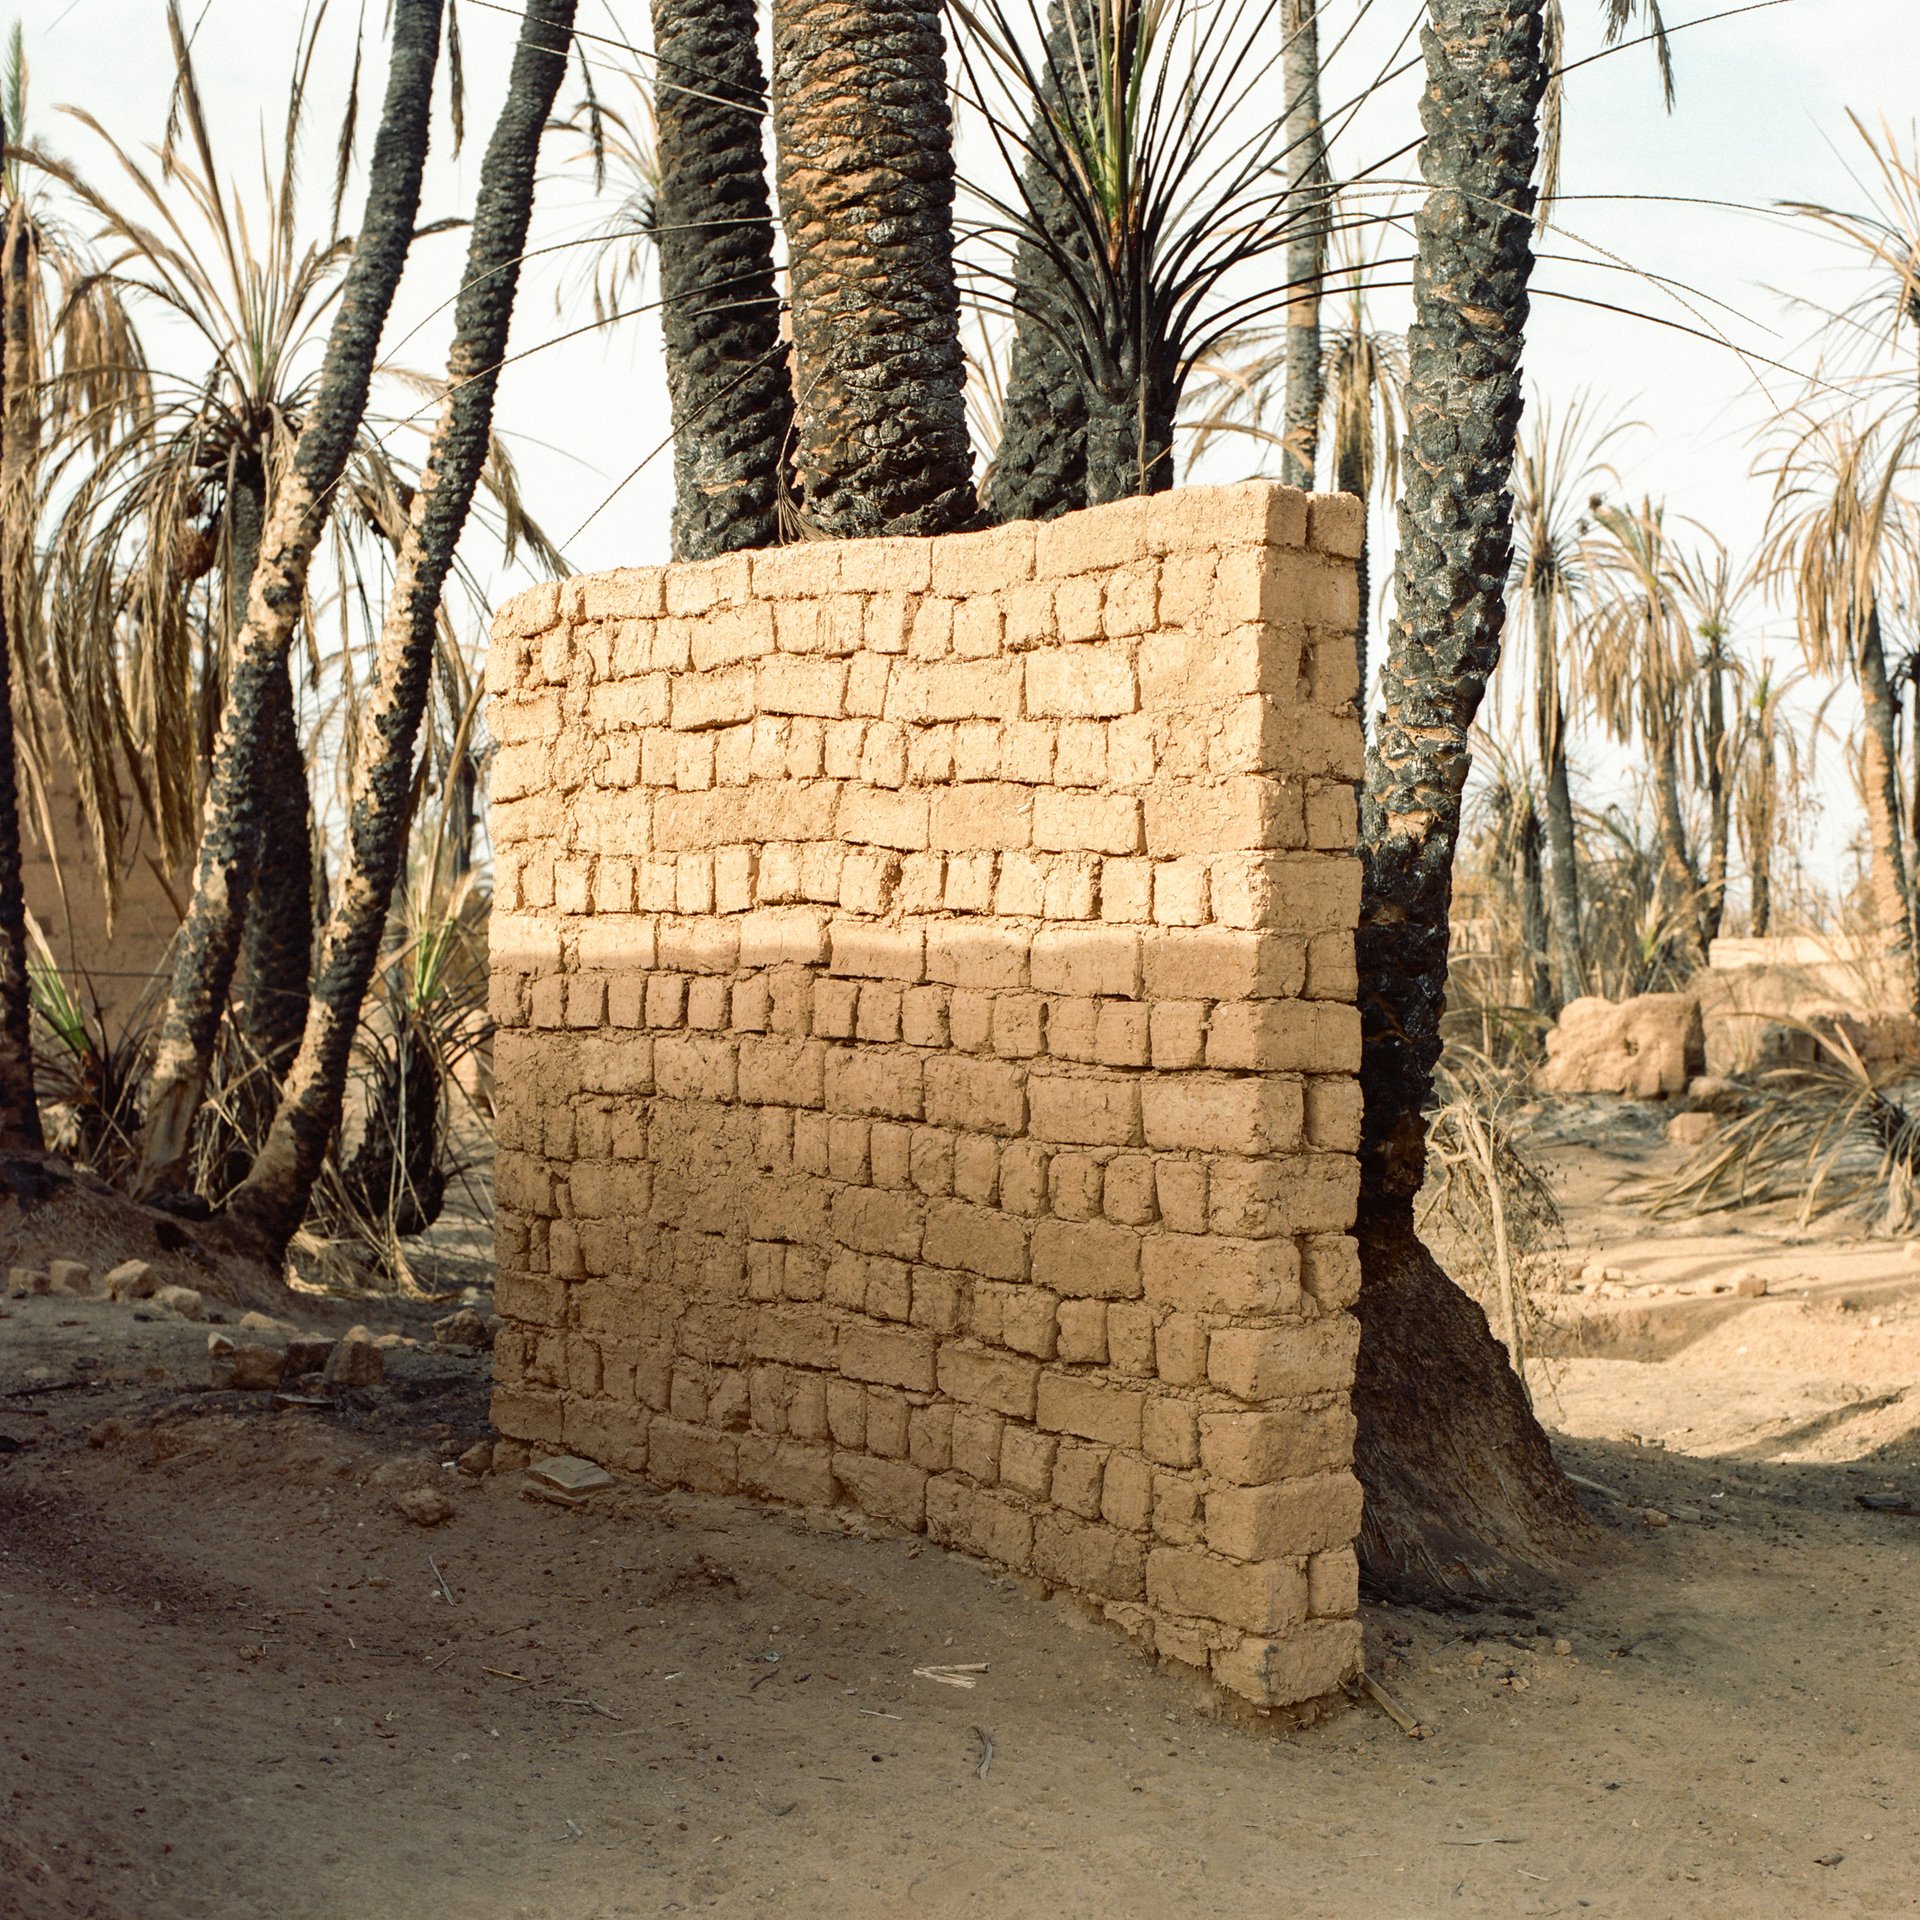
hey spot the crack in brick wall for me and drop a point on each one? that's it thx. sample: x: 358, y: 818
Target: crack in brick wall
x: 926, y: 1066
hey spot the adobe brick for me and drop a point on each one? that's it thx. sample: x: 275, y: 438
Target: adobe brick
x: 980, y: 1240
x: 1316, y: 1659
x: 1090, y: 1409
x: 1263, y: 1596
x: 892, y: 1490
x: 1087, y: 1556
x: 1220, y: 1113
x: 1270, y: 1363
x: 1090, y: 1259
x: 1085, y: 1109
x: 1003, y: 1383
x: 1089, y: 960
x: 1252, y: 1449
x: 1286, y: 1036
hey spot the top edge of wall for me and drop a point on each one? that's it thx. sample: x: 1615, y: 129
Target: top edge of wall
x: 1251, y: 513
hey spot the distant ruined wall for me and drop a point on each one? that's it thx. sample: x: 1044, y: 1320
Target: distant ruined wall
x: 925, y: 1076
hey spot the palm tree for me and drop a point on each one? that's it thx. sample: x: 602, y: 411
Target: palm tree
x: 231, y: 822
x: 727, y: 379
x: 271, y: 1202
x: 1140, y: 194
x: 1710, y: 594
x: 863, y: 139
x: 1766, y: 773
x: 1362, y: 386
x: 1639, y: 674
x: 1311, y: 185
x: 1460, y: 1482
x: 1845, y: 538
x: 1844, y: 532
x: 1039, y: 467
x: 68, y: 366
x: 19, y: 1105
x: 1556, y: 469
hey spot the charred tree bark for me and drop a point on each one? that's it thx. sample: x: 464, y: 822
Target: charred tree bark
x: 864, y: 148
x: 270, y: 1203
x: 1040, y: 468
x: 1130, y: 430
x: 1350, y: 477
x: 1308, y: 192
x: 276, y: 948
x: 209, y: 938
x: 1461, y: 1488
x: 19, y: 1104
x: 727, y: 377
x: 1533, y: 904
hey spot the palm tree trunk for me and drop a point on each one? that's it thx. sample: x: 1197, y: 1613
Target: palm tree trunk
x: 1889, y: 882
x: 864, y: 147
x: 1563, y: 871
x: 209, y: 938
x: 271, y: 1202
x: 1307, y: 245
x: 720, y: 309
x: 1533, y: 914
x: 1350, y: 477
x: 1461, y: 1487
x: 1679, y: 883
x: 1713, y: 900
x: 276, y: 947
x: 19, y: 1107
x: 1760, y: 885
x: 1129, y: 433
x: 1039, y: 470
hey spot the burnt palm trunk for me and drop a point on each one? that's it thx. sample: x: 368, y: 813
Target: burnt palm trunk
x: 1130, y: 424
x: 720, y: 309
x: 1533, y: 913
x: 1350, y: 476
x: 1889, y: 883
x: 864, y: 147
x: 1563, y: 871
x: 1461, y: 1487
x: 277, y: 941
x: 270, y: 1203
x: 19, y: 1108
x: 1307, y: 246
x: 230, y: 828
x: 1040, y: 468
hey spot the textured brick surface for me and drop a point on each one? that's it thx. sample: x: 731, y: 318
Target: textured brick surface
x: 926, y: 1052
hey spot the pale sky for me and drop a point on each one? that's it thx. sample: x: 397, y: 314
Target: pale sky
x: 1760, y: 118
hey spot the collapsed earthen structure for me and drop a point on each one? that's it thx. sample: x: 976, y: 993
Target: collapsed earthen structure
x: 926, y: 1068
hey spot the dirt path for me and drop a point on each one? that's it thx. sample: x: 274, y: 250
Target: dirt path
x: 234, y: 1688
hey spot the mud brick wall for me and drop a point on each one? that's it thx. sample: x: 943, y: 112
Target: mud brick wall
x: 926, y: 1062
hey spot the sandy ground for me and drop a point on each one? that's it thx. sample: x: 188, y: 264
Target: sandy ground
x: 235, y: 1684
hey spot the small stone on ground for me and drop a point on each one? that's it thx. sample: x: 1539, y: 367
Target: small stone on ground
x: 570, y: 1474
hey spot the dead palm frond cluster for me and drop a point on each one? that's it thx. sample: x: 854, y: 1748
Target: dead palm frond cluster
x: 1831, y: 1133
x: 1491, y: 1200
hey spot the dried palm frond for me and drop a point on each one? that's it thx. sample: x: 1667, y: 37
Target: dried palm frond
x: 1501, y: 1221
x: 1833, y: 1133
x: 153, y: 523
